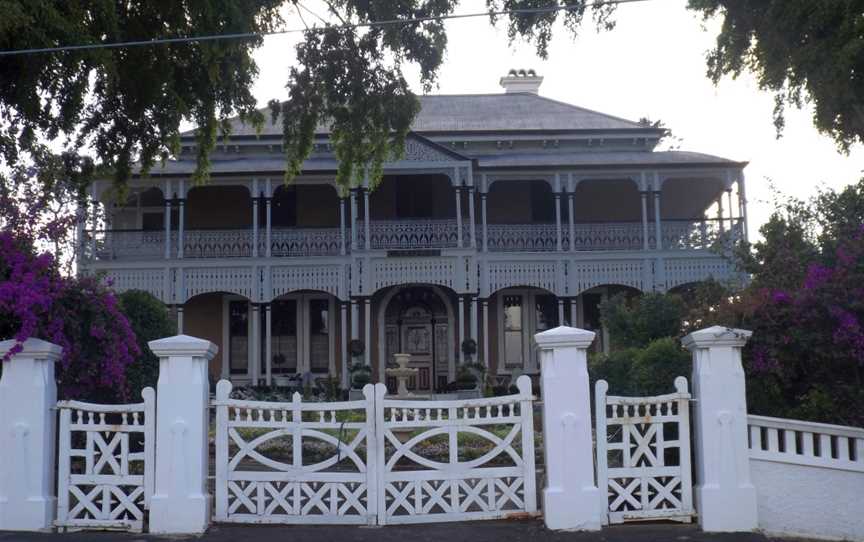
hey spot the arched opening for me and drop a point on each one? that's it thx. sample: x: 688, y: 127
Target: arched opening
x: 418, y: 320
x: 135, y: 227
x: 304, y: 206
x: 521, y: 216
x: 222, y: 318
x: 685, y: 203
x: 218, y: 208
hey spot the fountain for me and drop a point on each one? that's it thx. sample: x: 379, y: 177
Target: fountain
x: 402, y: 373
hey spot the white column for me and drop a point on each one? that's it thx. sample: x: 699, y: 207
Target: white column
x: 268, y: 342
x: 571, y: 220
x: 341, y: 226
x: 343, y: 333
x: 255, y: 225
x: 28, y: 433
x: 486, y: 358
x: 560, y: 311
x: 460, y: 321
x: 658, y: 228
x: 366, y: 226
x: 167, y: 227
x: 475, y: 332
x: 483, y: 196
x: 268, y: 203
x: 355, y: 320
x: 742, y: 202
x: 459, y: 217
x: 557, y: 197
x: 353, y: 219
x: 720, y: 213
x: 571, y: 499
x: 255, y: 345
x: 367, y: 329
x: 471, y: 217
x: 181, y: 226
x: 725, y: 497
x: 644, y: 219
x: 181, y: 502
x: 179, y: 319
x: 574, y: 312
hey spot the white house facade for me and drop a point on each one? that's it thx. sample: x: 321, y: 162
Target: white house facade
x: 509, y: 214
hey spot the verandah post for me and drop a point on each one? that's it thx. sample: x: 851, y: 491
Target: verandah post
x: 181, y: 502
x: 725, y: 497
x: 571, y: 499
x: 28, y: 432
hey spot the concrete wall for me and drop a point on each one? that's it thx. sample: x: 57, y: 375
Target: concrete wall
x: 808, y: 501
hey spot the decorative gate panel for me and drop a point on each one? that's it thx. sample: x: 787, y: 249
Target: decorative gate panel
x: 455, y: 460
x: 295, y: 462
x: 106, y: 463
x: 643, y: 454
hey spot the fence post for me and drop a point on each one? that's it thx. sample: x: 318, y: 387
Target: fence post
x: 571, y: 499
x: 181, y: 502
x: 725, y: 498
x: 28, y: 433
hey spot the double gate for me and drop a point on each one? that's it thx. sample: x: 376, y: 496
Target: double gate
x: 375, y: 460
x: 643, y: 454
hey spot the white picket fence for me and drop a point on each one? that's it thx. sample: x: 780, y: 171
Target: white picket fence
x: 643, y: 454
x: 108, y: 482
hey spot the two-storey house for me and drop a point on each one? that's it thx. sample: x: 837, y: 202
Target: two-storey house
x: 509, y: 214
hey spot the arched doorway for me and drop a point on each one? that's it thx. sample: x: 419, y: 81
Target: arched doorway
x: 418, y: 320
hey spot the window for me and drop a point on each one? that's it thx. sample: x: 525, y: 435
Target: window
x: 238, y: 337
x: 284, y: 336
x: 513, y: 345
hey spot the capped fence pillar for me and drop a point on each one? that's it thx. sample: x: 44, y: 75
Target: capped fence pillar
x: 571, y: 499
x: 28, y: 431
x: 725, y: 498
x: 181, y: 502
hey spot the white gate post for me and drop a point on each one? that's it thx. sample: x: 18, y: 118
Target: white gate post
x: 181, y: 502
x: 725, y: 497
x: 28, y: 431
x: 571, y: 499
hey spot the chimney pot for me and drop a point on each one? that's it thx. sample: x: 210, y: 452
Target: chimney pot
x: 521, y: 80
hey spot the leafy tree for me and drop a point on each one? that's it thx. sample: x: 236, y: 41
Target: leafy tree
x: 127, y: 103
x: 647, y: 370
x: 803, y: 51
x: 149, y: 319
x: 637, y: 321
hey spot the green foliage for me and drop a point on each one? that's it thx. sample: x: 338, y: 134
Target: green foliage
x: 637, y: 321
x: 150, y: 320
x: 642, y: 371
x: 802, y: 50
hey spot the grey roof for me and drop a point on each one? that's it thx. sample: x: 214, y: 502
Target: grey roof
x: 488, y: 113
x: 600, y: 159
x: 604, y: 158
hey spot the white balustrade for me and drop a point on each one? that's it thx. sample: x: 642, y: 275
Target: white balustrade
x: 411, y: 234
x: 806, y: 443
x: 521, y: 237
x: 217, y: 243
x: 303, y: 242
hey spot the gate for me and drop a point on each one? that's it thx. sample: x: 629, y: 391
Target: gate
x: 462, y: 484
x: 643, y: 454
x: 106, y: 463
x: 375, y: 460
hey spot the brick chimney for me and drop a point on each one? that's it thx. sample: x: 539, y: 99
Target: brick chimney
x: 521, y: 81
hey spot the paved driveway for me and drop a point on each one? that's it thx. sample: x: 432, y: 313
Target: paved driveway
x: 485, y: 531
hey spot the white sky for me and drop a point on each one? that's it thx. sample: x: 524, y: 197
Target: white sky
x: 651, y: 65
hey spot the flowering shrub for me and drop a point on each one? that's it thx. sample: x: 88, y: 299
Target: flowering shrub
x: 79, y: 314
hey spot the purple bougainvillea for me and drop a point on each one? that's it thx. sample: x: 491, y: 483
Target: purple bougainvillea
x: 79, y: 314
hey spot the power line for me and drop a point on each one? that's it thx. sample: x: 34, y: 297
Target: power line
x: 252, y: 35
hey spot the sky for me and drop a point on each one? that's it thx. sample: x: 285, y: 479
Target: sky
x: 651, y: 65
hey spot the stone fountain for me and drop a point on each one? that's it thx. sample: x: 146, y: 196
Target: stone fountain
x: 402, y: 373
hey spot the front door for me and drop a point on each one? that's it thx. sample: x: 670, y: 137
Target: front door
x: 417, y: 340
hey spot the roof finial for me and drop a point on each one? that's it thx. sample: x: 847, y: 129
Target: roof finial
x: 521, y: 80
